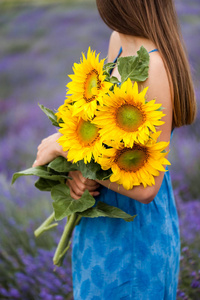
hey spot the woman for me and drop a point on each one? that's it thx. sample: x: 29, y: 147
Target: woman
x: 113, y: 259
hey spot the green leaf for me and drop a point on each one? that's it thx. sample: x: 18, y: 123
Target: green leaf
x: 114, y: 80
x: 108, y: 67
x: 45, y: 184
x: 38, y: 171
x: 50, y: 114
x: 105, y: 210
x: 103, y: 174
x: 134, y: 67
x: 89, y: 170
x: 64, y: 205
x: 93, y: 170
x: 62, y: 165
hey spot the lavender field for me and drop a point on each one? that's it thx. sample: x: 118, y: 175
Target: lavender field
x: 38, y: 46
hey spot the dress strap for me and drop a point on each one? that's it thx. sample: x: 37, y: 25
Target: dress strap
x: 154, y: 50
x: 120, y: 51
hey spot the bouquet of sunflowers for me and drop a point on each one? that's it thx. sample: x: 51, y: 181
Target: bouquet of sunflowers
x: 109, y: 131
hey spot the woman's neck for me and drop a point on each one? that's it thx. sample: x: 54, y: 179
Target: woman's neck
x: 131, y: 44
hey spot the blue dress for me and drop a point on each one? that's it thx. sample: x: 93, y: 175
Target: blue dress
x: 113, y: 259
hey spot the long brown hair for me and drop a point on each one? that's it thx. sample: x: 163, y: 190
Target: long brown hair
x: 157, y: 21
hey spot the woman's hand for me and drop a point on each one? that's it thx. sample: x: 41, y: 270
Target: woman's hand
x: 48, y: 150
x: 78, y: 184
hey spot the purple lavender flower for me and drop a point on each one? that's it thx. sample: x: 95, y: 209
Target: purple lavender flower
x: 195, y: 284
x: 28, y: 39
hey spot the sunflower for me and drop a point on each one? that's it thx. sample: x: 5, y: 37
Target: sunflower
x: 87, y: 86
x: 79, y: 137
x: 132, y: 166
x: 127, y: 116
x: 63, y: 107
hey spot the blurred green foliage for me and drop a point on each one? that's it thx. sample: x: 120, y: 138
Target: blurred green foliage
x: 6, y: 4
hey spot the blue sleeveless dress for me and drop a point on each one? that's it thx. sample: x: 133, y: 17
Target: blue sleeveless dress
x: 113, y: 259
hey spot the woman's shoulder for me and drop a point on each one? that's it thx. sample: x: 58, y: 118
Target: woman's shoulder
x: 158, y: 83
x: 114, y: 46
x: 158, y: 78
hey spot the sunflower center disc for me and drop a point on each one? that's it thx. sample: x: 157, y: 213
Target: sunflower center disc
x: 91, y: 85
x: 131, y: 159
x: 87, y: 132
x: 129, y: 117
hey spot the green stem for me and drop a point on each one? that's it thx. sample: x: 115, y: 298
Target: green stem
x: 64, y: 242
x: 46, y: 225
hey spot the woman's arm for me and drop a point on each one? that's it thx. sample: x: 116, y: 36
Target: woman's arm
x: 138, y: 193
x: 159, y: 89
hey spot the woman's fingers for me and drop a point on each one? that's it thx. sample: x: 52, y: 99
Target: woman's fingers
x: 86, y: 181
x: 48, y: 150
x: 76, y: 197
x: 73, y: 195
x: 77, y: 187
x: 82, y: 182
x: 74, y: 187
x: 34, y: 164
x: 90, y: 188
x: 43, y: 157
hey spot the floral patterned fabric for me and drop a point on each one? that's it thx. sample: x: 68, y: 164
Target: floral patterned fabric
x: 114, y: 259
